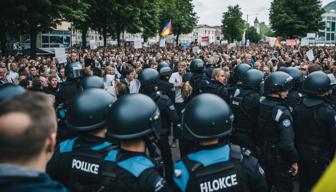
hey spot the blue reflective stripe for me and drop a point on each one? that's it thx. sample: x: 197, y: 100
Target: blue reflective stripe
x: 101, y: 146
x: 211, y: 156
x: 67, y: 145
x: 183, y: 179
x: 136, y: 165
x: 112, y: 155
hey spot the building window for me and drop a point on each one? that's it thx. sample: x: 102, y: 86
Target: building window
x: 333, y: 26
x: 45, y: 39
x: 328, y: 37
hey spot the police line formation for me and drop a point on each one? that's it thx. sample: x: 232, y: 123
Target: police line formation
x: 257, y: 133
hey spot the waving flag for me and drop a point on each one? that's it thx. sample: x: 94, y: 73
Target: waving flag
x: 167, y: 29
x: 277, y: 42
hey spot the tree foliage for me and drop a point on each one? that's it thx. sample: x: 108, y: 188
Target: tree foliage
x: 182, y: 14
x: 233, y: 24
x: 296, y: 18
x: 252, y: 35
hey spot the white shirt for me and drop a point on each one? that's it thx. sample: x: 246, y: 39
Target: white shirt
x: 134, y: 86
x: 13, y: 77
x: 109, y: 85
x: 176, y: 79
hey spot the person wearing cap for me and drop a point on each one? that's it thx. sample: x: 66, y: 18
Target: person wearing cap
x: 275, y: 134
x: 214, y: 164
x: 315, y: 129
x: 77, y: 162
x: 134, y: 122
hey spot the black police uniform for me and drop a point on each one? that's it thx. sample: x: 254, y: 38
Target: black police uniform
x: 133, y: 171
x: 276, y: 136
x: 167, y: 89
x: 78, y: 162
x: 315, y: 129
x: 17, y: 179
x: 294, y: 97
x: 136, y: 171
x: 217, y: 88
x: 219, y: 168
x: 168, y: 116
x: 245, y: 107
x: 315, y: 138
x: 64, y: 95
x: 198, y: 82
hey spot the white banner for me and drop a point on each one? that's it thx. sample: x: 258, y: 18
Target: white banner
x: 310, y: 55
x: 60, y: 55
x: 162, y: 42
x: 93, y: 44
x: 137, y: 44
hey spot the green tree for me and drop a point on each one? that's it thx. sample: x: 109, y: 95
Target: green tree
x: 80, y: 14
x: 265, y: 31
x: 233, y: 24
x: 149, y: 18
x: 295, y: 18
x: 9, y: 22
x: 38, y: 16
x: 182, y: 14
x: 252, y: 35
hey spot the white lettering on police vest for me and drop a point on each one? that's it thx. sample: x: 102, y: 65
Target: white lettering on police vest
x: 219, y: 184
x: 85, y: 166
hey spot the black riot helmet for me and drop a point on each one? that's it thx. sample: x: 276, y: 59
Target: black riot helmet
x: 165, y: 71
x: 239, y: 70
x: 277, y: 82
x: 93, y: 82
x: 9, y: 90
x: 252, y: 79
x: 197, y: 66
x: 161, y: 65
x: 297, y: 75
x: 207, y: 116
x: 88, y: 110
x: 133, y: 116
x: 73, y: 70
x: 316, y: 83
x: 149, y: 78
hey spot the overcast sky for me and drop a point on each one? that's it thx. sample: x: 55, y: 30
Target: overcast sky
x: 210, y: 11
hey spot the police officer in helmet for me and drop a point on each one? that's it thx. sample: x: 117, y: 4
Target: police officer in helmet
x: 236, y: 78
x: 68, y: 89
x: 198, y: 80
x: 295, y: 95
x: 215, y: 165
x: 93, y: 82
x: 73, y: 73
x: 77, y: 162
x: 165, y: 86
x: 149, y: 79
x: 315, y: 129
x: 275, y: 132
x: 133, y: 120
x: 245, y: 105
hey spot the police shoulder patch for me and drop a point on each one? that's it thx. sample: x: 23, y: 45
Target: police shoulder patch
x: 172, y: 107
x: 286, y: 123
x: 159, y: 184
x: 261, y: 171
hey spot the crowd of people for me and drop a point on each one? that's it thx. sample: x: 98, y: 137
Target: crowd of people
x: 250, y: 118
